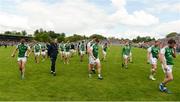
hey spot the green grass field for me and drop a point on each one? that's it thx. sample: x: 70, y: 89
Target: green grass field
x: 72, y: 82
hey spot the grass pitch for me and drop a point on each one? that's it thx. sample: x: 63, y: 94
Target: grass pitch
x: 72, y: 82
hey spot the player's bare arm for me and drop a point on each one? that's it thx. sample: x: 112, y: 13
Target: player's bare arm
x: 14, y: 52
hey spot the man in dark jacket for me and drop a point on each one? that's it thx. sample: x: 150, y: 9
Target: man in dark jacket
x: 52, y: 53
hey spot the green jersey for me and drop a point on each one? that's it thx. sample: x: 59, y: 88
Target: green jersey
x: 95, y: 50
x: 43, y: 47
x: 168, y: 54
x: 126, y: 50
x: 37, y: 48
x: 62, y: 47
x: 82, y: 47
x: 154, y: 51
x: 22, y: 50
x: 67, y: 47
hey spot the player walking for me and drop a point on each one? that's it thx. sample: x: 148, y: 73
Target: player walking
x: 82, y: 50
x: 73, y: 50
x: 94, y: 53
x: 153, y: 53
x: 62, y: 48
x: 23, y: 53
x: 104, y: 51
x: 43, y: 51
x: 37, y: 50
x: 67, y: 53
x: 126, y: 55
x: 166, y: 56
x: 90, y: 56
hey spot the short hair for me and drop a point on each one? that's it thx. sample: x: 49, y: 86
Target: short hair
x: 171, y: 41
x: 97, y: 40
x: 23, y: 40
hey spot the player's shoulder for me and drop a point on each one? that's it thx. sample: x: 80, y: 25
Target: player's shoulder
x: 165, y: 47
x: 18, y: 44
x: 27, y: 45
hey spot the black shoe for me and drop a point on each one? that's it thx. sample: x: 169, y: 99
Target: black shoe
x: 54, y: 74
x: 51, y: 72
x: 122, y: 65
x: 100, y: 78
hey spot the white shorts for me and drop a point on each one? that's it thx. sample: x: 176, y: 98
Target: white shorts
x: 153, y: 60
x: 97, y: 61
x: 169, y: 69
x: 62, y: 52
x: 92, y: 61
x: 67, y: 54
x: 104, y: 52
x: 82, y: 52
x: 43, y: 53
x: 73, y: 51
x: 125, y: 56
x: 37, y: 53
x: 23, y: 59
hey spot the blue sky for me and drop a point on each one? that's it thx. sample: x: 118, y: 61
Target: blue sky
x: 120, y: 18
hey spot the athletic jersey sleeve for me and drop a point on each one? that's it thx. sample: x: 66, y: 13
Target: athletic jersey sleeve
x: 40, y: 46
x: 28, y: 47
x: 162, y: 51
x: 17, y: 46
x: 149, y: 49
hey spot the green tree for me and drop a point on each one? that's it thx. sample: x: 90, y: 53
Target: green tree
x: 61, y: 37
x: 7, y: 32
x: 173, y: 34
x: 97, y: 36
x: 45, y: 36
x: 75, y: 38
x: 143, y: 39
x: 24, y: 33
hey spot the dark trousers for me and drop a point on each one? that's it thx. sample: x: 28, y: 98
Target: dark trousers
x: 53, y: 64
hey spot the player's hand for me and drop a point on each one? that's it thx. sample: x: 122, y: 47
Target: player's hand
x: 175, y: 47
x: 165, y: 68
x: 12, y: 55
x: 27, y: 56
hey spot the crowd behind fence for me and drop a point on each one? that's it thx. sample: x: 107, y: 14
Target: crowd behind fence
x: 145, y: 45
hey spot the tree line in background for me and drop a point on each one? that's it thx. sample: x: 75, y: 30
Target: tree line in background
x: 173, y: 34
x: 143, y: 39
x: 22, y: 33
x: 46, y: 36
